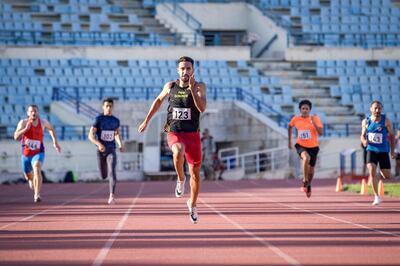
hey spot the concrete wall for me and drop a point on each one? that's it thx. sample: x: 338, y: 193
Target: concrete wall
x: 241, y: 17
x: 212, y: 16
x: 166, y: 17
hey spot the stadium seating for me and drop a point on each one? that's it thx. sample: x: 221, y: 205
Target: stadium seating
x: 25, y: 81
x: 78, y: 22
x: 366, y: 23
x: 360, y: 82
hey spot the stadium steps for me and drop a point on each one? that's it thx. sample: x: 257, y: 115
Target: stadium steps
x: 146, y: 15
x: 301, y: 77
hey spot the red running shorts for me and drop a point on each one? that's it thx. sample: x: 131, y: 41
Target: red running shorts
x: 192, y: 143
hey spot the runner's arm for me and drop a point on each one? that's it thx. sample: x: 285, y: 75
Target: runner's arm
x: 388, y: 126
x: 156, y: 105
x: 21, y: 129
x: 92, y: 139
x: 118, y: 139
x: 363, y: 131
x: 318, y: 126
x: 289, y: 136
x: 52, y: 133
x: 199, y: 95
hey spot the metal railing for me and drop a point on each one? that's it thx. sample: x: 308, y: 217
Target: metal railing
x: 90, y: 38
x: 365, y: 40
x: 259, y: 161
x: 73, y: 100
x: 81, y: 132
x: 185, y: 16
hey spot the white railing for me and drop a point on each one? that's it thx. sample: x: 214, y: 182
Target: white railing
x: 259, y: 161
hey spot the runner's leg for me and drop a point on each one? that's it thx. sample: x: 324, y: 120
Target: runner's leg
x: 178, y: 150
x: 37, y: 178
x: 372, y: 175
x: 194, y: 183
x: 305, y: 165
x: 112, y: 174
x: 102, y: 163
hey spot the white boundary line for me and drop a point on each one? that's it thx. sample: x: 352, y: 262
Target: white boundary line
x: 316, y: 213
x: 273, y: 248
x: 52, y: 208
x: 104, y: 251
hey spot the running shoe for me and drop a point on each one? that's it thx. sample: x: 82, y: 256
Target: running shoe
x: 180, y: 188
x: 37, y: 199
x: 377, y: 201
x: 30, y: 184
x: 111, y: 200
x: 192, y: 212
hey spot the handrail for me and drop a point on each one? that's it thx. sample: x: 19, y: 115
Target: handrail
x: 381, y: 39
x: 214, y: 93
x: 82, y: 38
x: 60, y: 94
x: 185, y: 16
x: 267, y: 45
x: 259, y: 161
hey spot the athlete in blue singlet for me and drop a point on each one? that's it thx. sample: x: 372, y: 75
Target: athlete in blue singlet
x: 104, y: 133
x: 377, y: 135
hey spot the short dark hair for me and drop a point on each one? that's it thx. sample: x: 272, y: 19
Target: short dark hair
x: 378, y: 102
x: 108, y: 100
x: 33, y: 106
x: 185, y: 59
x: 305, y: 102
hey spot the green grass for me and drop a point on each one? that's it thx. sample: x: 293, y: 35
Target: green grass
x: 391, y: 189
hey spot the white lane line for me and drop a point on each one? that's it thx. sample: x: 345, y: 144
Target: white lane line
x: 316, y: 213
x: 104, y: 251
x: 273, y: 248
x: 52, y: 208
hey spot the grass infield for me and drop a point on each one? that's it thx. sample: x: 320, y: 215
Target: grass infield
x: 391, y: 189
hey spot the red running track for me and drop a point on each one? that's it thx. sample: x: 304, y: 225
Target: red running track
x: 241, y: 223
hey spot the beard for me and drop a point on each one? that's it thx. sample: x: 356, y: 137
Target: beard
x: 185, y: 78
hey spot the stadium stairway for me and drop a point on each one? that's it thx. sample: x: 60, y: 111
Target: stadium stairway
x: 305, y: 84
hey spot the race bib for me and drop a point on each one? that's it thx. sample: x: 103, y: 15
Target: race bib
x: 181, y: 114
x: 107, y: 135
x: 375, y: 138
x: 304, y: 134
x: 32, y: 144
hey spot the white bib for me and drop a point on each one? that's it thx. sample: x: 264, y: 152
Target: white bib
x: 375, y: 138
x: 107, y: 135
x: 32, y: 144
x: 181, y: 114
x: 304, y: 134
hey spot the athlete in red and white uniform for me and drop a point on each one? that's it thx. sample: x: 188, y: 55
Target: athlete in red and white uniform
x: 30, y: 132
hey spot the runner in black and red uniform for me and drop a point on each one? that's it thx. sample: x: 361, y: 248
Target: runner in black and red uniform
x: 187, y: 99
x: 30, y: 132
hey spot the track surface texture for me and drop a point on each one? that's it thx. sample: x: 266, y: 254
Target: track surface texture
x: 250, y: 222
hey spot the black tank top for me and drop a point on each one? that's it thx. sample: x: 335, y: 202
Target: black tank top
x: 183, y: 115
